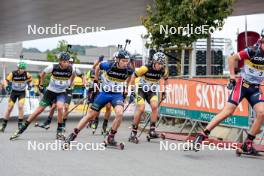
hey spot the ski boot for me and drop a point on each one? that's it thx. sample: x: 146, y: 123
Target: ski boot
x: 152, y: 134
x: 133, y: 137
x: 60, y: 134
x: 3, y: 126
x: 89, y: 125
x: 104, y: 131
x: 64, y: 125
x: 95, y: 124
x: 111, y: 143
x: 248, y: 149
x: 20, y: 123
x: 104, y: 128
x: 197, y: 142
x: 70, y: 138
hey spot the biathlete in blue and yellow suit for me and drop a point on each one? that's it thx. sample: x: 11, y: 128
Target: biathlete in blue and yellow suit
x: 116, y: 75
x: 91, y: 93
x: 17, y: 82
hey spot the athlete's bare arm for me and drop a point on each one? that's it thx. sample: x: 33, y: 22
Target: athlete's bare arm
x: 97, y: 70
x: 41, y: 78
x: 232, y: 60
x: 96, y: 63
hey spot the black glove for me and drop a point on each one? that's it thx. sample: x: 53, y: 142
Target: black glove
x: 89, y: 86
x: 101, y: 58
x: 132, y: 97
x: 231, y: 84
x: 41, y: 88
x: 124, y: 95
x: 29, y: 87
x: 8, y: 88
x: 69, y: 90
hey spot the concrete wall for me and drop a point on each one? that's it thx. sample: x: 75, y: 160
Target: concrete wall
x: 94, y: 53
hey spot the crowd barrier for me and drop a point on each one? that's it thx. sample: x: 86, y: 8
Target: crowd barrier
x: 198, y: 100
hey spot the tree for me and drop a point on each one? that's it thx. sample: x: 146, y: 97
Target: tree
x: 52, y: 55
x: 181, y: 13
x: 31, y: 50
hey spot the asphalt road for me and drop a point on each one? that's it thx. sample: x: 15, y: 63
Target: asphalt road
x: 144, y: 158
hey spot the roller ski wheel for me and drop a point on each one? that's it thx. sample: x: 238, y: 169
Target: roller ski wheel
x: 149, y: 138
x: 133, y: 139
x: 93, y: 131
x: 162, y: 136
x: 119, y: 146
x: 239, y: 152
x: 15, y: 135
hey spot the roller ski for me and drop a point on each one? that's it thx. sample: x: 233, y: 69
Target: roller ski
x: 133, y: 137
x: 111, y: 143
x: 15, y: 135
x: 247, y: 149
x: 19, y: 132
x: 240, y: 152
x: 60, y: 134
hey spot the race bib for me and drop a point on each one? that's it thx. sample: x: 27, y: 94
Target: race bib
x: 253, y: 72
x: 110, y: 86
x: 59, y: 84
x: 18, y: 86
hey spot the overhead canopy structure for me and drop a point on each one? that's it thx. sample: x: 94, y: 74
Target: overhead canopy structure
x: 40, y: 63
x: 16, y: 15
